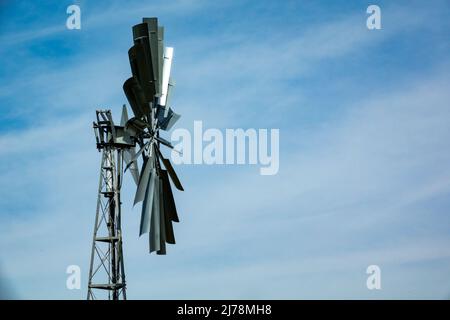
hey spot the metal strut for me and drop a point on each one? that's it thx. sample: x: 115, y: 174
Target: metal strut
x: 107, y: 271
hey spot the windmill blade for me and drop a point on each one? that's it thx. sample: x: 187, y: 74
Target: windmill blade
x: 172, y: 174
x: 152, y: 36
x: 160, y: 58
x: 167, y: 65
x: 155, y: 227
x: 141, y: 66
x: 148, y: 204
x: 172, y: 119
x: 137, y: 154
x: 128, y: 155
x: 166, y: 118
x: 164, y: 142
x: 124, y: 118
x: 170, y: 89
x: 141, y: 190
x: 170, y: 170
x: 135, y: 97
x: 169, y: 203
x: 170, y: 236
x: 162, y: 221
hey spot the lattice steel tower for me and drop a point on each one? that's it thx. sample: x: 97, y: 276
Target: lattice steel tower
x: 106, y: 272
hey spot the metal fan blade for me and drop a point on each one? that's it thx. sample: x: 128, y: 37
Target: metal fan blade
x: 135, y: 96
x: 152, y: 31
x: 141, y: 66
x: 168, y: 55
x: 169, y: 203
x: 160, y: 58
x: 136, y: 155
x: 170, y: 89
x: 164, y: 142
x: 128, y: 155
x: 142, y: 62
x: 170, y: 236
x: 166, y: 118
x: 162, y: 220
x: 148, y: 204
x: 171, y: 171
x: 155, y: 226
x: 124, y: 118
x: 172, y: 119
x: 141, y: 190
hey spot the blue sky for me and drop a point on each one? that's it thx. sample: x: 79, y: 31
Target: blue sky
x: 364, y: 148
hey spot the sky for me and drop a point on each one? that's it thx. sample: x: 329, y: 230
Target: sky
x: 364, y: 174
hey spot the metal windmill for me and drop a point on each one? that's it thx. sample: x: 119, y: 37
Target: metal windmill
x: 148, y: 92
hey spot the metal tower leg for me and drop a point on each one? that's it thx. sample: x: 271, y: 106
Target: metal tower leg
x: 107, y: 272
